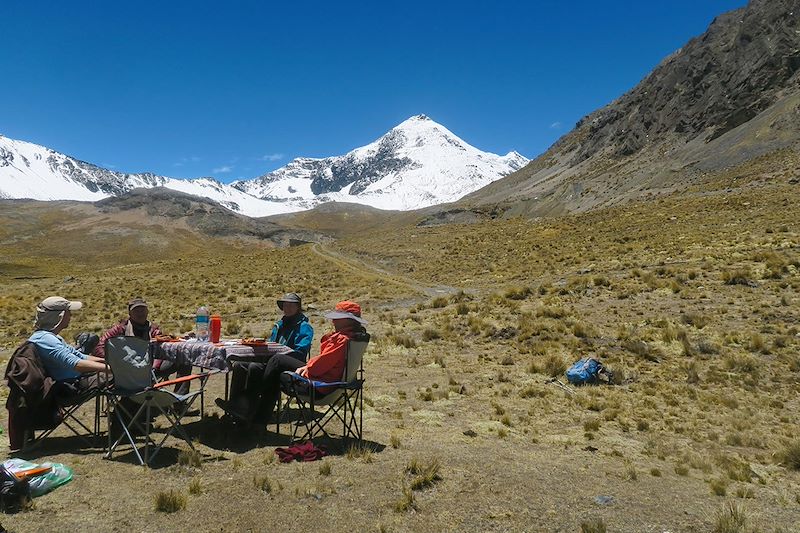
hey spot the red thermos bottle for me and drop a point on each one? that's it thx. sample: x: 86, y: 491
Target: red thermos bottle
x: 216, y: 327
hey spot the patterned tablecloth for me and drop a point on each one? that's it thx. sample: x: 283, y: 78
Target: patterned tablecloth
x: 210, y: 355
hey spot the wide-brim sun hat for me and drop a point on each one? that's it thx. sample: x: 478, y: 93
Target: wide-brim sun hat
x: 291, y: 297
x: 346, y: 309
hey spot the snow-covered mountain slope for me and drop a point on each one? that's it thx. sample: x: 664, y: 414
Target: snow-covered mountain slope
x: 418, y: 163
x: 28, y: 170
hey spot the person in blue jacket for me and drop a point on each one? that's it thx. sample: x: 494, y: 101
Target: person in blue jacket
x: 292, y: 330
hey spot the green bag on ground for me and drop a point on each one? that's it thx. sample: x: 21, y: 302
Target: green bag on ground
x: 58, y: 475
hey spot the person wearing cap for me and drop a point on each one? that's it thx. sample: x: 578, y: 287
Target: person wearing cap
x: 293, y: 329
x: 138, y: 325
x: 61, y: 361
x: 258, y: 401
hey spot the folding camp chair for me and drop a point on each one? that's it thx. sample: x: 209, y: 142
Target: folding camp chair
x: 135, y: 385
x: 29, y: 413
x: 340, y: 400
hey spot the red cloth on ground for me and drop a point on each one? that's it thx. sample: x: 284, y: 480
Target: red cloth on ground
x: 305, y: 451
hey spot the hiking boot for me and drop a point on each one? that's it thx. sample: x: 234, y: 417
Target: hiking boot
x: 233, y: 410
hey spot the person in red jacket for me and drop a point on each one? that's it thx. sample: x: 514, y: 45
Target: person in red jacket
x: 257, y: 404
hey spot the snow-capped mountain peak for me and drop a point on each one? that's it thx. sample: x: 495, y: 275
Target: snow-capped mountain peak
x: 416, y: 164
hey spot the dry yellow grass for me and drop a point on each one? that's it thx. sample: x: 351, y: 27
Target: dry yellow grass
x: 469, y: 323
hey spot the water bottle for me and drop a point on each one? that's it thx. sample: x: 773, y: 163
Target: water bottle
x: 201, y: 324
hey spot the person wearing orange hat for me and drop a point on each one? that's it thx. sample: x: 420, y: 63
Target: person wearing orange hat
x: 256, y: 405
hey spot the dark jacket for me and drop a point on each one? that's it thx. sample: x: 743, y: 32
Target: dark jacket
x: 295, y: 332
x: 31, y: 399
x: 29, y: 383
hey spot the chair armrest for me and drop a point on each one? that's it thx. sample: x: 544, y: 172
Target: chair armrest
x: 181, y: 379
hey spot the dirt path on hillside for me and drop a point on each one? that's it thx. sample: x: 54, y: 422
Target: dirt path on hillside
x: 362, y: 267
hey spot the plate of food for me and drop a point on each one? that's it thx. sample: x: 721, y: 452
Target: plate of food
x: 254, y: 341
x: 167, y: 338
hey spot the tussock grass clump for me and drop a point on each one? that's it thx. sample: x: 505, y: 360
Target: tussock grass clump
x: 642, y: 349
x: 406, y: 501
x: 742, y: 363
x: 195, y: 487
x: 718, y: 487
x: 191, y: 458
x: 791, y: 455
x: 737, y: 277
x: 360, y: 451
x: 732, y: 518
x: 170, y: 501
x: 401, y: 339
x: 593, y: 525
x: 695, y: 319
x: 325, y: 468
x: 426, y: 473
x: 439, y: 302
x: 462, y: 308
x: 551, y: 312
x: 430, y: 334
x: 517, y: 293
x: 555, y: 365
x: 263, y: 483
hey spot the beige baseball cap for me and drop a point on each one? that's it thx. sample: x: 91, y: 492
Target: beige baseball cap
x: 58, y: 303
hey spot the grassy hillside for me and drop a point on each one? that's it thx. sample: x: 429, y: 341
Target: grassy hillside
x: 691, y: 299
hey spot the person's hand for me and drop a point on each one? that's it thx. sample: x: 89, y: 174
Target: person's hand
x: 303, y: 371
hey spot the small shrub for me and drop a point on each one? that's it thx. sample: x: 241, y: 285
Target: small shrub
x: 462, y: 309
x: 394, y: 440
x: 170, y: 501
x: 681, y: 470
x: 655, y: 472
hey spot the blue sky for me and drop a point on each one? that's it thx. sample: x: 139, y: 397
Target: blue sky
x: 234, y: 89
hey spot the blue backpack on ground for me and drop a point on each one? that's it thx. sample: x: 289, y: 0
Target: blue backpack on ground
x: 586, y: 370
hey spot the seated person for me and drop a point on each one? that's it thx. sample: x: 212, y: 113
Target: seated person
x: 61, y: 361
x: 257, y: 401
x: 137, y: 325
x: 73, y: 371
x: 293, y: 331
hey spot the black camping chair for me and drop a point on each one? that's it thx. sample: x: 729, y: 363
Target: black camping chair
x: 341, y: 400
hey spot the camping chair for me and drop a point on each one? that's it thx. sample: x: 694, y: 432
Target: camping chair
x: 135, y: 385
x: 340, y: 400
x: 29, y: 412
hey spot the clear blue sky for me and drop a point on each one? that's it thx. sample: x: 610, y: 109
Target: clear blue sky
x: 234, y: 89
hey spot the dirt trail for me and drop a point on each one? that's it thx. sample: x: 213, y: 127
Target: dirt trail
x: 362, y: 267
